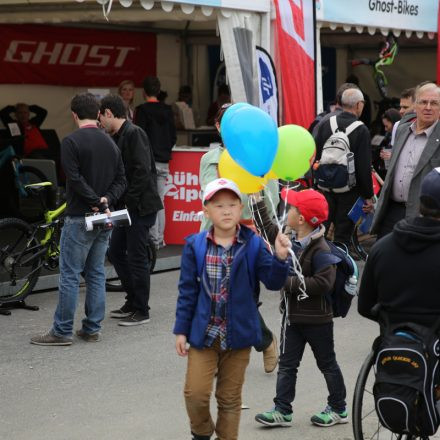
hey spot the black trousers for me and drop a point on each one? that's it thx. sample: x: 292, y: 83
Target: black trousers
x: 320, y: 339
x: 128, y: 253
x: 339, y: 206
x: 395, y: 212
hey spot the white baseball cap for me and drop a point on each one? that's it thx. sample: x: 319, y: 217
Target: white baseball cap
x: 217, y: 185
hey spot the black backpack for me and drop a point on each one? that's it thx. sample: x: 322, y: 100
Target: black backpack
x: 347, y: 274
x: 406, y: 368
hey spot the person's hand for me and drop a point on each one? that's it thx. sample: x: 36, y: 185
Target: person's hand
x: 282, y: 246
x: 368, y: 206
x: 385, y: 155
x: 181, y: 345
x: 103, y: 206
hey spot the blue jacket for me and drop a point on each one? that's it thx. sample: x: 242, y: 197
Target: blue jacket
x: 250, y: 265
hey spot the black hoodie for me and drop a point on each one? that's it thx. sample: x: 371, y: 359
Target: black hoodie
x: 157, y: 120
x: 402, y: 273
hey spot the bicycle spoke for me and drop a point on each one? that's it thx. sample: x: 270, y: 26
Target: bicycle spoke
x: 371, y: 412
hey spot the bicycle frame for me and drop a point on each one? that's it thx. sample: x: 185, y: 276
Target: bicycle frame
x: 49, y: 218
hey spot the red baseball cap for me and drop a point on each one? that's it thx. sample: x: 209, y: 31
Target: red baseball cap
x: 311, y: 204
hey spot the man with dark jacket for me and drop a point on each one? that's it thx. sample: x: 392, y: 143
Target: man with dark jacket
x: 341, y: 203
x: 95, y: 180
x: 129, y: 245
x: 157, y: 120
x: 402, y: 272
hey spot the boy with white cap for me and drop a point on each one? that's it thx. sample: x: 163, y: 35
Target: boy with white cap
x: 217, y: 309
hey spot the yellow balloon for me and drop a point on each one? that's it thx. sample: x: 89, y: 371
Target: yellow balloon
x: 271, y: 175
x: 229, y: 169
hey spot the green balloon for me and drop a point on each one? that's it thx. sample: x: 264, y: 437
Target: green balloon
x: 296, y: 150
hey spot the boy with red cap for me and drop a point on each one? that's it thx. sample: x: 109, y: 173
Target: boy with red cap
x: 307, y: 316
x: 217, y: 308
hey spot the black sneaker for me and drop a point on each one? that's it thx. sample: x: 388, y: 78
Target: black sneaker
x: 123, y: 312
x: 136, y: 318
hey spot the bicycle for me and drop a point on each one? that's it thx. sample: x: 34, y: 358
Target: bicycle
x: 26, y: 249
x: 22, y: 176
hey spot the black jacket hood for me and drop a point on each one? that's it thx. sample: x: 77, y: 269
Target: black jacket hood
x: 415, y: 234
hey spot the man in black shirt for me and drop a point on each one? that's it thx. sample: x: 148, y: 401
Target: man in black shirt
x: 129, y: 245
x: 95, y: 180
x: 340, y: 203
x: 157, y: 120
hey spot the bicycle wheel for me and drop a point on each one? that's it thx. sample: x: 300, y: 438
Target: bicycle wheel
x: 20, y: 260
x: 366, y: 424
x: 31, y: 208
x: 115, y: 285
x: 361, y: 242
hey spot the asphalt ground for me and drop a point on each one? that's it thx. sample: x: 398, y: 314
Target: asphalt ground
x: 129, y: 385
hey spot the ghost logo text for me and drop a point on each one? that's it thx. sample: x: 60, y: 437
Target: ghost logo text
x: 402, y: 7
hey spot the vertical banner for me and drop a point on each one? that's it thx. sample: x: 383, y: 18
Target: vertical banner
x: 295, y: 26
x: 267, y: 84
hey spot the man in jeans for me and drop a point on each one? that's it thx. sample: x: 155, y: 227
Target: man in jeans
x: 157, y: 120
x: 95, y: 180
x: 129, y: 245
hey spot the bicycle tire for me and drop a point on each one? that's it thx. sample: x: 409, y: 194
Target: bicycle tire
x: 381, y: 433
x: 16, y: 236
x: 29, y: 174
x: 116, y: 286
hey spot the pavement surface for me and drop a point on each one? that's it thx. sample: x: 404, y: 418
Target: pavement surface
x: 129, y: 385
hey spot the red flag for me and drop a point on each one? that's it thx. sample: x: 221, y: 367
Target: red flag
x: 296, y: 48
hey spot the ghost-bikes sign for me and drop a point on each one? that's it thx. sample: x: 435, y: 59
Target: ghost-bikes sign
x: 413, y: 15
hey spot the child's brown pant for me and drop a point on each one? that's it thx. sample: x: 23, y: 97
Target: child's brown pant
x: 230, y: 366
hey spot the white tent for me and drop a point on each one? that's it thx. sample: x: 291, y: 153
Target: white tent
x: 178, y: 25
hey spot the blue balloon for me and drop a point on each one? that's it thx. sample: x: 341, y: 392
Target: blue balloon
x: 231, y: 111
x: 251, y: 137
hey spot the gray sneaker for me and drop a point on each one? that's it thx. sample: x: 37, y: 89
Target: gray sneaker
x: 88, y: 337
x: 50, y: 339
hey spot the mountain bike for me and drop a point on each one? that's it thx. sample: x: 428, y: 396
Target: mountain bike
x: 26, y: 249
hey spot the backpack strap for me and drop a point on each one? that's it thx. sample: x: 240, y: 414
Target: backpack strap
x: 353, y: 127
x: 323, y: 259
x: 334, y: 124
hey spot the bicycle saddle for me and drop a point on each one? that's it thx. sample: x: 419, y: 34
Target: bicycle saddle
x: 36, y: 188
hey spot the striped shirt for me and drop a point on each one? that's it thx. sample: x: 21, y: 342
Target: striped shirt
x: 218, y: 267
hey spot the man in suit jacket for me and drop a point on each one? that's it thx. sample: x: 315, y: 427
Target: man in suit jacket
x: 128, y: 250
x: 415, y: 153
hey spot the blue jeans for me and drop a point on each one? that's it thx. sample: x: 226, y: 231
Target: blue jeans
x: 81, y: 251
x: 320, y: 339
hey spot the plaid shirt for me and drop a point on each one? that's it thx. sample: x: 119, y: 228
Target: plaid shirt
x: 218, y: 267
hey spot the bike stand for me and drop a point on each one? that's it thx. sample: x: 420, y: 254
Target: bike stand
x: 5, y: 308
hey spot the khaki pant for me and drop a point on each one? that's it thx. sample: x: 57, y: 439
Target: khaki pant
x: 230, y: 366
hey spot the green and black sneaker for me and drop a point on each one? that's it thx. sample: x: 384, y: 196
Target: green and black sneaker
x: 329, y: 417
x: 274, y: 418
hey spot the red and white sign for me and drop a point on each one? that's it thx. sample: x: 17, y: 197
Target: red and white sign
x: 183, y: 201
x: 296, y: 53
x: 34, y: 54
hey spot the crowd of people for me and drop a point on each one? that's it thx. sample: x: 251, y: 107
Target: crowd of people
x: 118, y: 158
